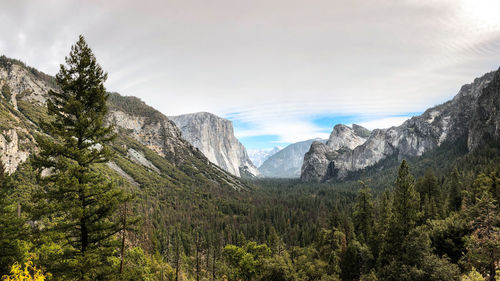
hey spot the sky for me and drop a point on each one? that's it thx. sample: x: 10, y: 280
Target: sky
x: 282, y: 70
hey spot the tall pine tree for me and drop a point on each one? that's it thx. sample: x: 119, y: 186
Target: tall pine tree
x: 406, y: 203
x: 363, y: 216
x: 79, y: 204
x: 11, y: 226
x: 405, y: 213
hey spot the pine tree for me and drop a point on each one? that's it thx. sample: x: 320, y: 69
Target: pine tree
x: 11, y: 227
x: 483, y: 246
x: 79, y: 203
x: 455, y: 192
x: 405, y: 212
x: 428, y: 188
x: 363, y: 214
x: 405, y: 204
x: 384, y: 215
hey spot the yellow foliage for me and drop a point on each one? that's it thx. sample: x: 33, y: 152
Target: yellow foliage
x: 472, y: 276
x: 27, y: 273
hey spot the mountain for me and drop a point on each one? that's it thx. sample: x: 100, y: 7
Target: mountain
x: 214, y: 137
x: 469, y: 118
x: 287, y: 162
x: 258, y: 156
x: 150, y: 151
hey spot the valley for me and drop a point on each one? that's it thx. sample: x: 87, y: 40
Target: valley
x: 178, y: 197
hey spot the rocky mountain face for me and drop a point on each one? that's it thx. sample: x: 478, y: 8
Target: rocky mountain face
x: 287, y: 162
x: 214, y: 137
x: 472, y: 115
x: 258, y: 156
x: 485, y: 124
x: 149, y: 146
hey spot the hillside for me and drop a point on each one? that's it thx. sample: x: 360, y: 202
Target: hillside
x: 144, y: 133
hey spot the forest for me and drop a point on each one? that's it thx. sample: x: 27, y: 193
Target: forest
x: 64, y: 218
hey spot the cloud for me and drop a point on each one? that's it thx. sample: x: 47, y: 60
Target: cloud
x: 277, y: 64
x: 384, y: 123
x: 287, y: 131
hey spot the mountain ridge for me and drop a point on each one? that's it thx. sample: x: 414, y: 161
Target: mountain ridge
x: 287, y: 162
x: 447, y: 122
x: 145, y: 136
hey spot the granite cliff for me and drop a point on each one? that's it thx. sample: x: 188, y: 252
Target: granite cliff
x: 214, y: 137
x: 470, y: 117
x: 149, y: 146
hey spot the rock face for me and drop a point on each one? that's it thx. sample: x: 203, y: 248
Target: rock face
x: 18, y: 85
x: 317, y: 160
x: 485, y: 125
x: 258, y: 156
x: 472, y: 115
x: 146, y: 137
x: 150, y: 127
x: 287, y: 162
x: 214, y: 137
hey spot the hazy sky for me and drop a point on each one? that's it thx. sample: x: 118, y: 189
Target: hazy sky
x: 283, y: 71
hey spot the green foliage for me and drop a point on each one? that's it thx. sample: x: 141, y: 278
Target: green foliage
x: 33, y: 113
x: 483, y: 245
x: 357, y: 261
x: 78, y: 204
x: 363, y: 216
x: 405, y: 209
x: 430, y: 196
x: 6, y: 92
x: 140, y: 266
x: 308, y: 264
x: 134, y: 106
x: 196, y: 226
x: 12, y: 228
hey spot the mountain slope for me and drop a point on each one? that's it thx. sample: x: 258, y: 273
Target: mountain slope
x: 214, y: 137
x: 150, y: 150
x: 452, y: 122
x: 286, y: 163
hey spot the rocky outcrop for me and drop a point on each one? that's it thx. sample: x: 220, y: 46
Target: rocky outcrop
x: 317, y: 161
x: 471, y: 115
x: 214, y: 137
x: 485, y: 125
x: 24, y: 84
x: 158, y: 133
x: 23, y: 96
x: 12, y: 154
x: 287, y: 162
x: 343, y: 137
x: 17, y: 83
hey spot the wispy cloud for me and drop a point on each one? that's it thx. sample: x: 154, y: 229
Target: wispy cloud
x: 270, y: 64
x: 286, y: 131
x: 384, y: 123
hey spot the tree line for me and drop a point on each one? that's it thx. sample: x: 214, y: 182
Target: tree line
x: 77, y: 224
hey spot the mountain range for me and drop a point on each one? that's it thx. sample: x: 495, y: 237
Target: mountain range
x: 469, y: 119
x: 150, y: 150
x: 151, y: 145
x: 287, y: 162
